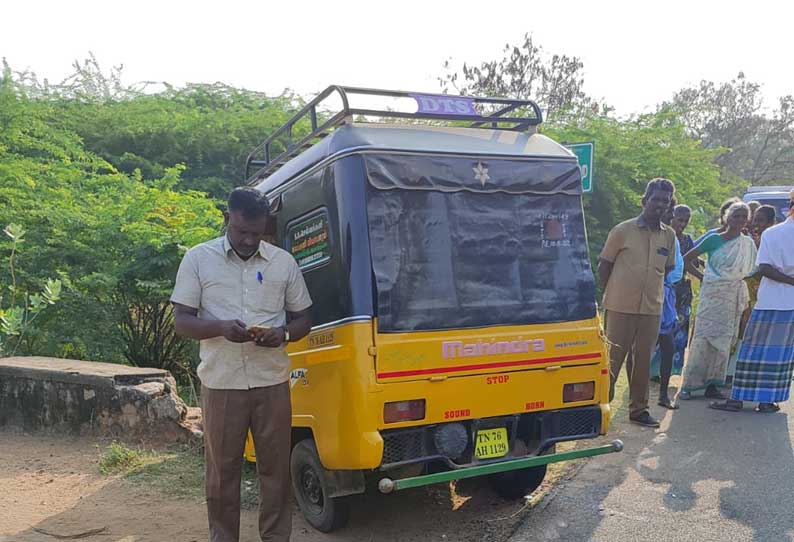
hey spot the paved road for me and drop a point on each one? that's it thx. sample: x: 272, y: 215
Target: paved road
x: 704, y: 475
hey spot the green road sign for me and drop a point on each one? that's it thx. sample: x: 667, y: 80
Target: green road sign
x: 584, y: 153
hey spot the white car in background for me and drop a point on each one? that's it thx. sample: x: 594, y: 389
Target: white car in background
x: 776, y: 196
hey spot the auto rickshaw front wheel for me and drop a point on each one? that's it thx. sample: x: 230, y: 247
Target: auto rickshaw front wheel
x: 311, y: 488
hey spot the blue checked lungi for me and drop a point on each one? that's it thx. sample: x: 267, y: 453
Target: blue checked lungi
x: 766, y: 358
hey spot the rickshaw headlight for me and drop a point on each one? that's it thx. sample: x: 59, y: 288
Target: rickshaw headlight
x: 580, y: 391
x: 404, y: 411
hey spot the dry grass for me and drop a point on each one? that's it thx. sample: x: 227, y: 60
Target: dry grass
x: 178, y: 472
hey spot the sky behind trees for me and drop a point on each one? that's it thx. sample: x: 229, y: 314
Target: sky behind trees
x: 635, y: 54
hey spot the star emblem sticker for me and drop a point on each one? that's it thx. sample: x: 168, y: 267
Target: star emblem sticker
x: 481, y: 173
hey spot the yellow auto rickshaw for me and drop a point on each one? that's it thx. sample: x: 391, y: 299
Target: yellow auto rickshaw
x: 456, y: 332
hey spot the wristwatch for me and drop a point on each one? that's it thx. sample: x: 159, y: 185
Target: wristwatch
x: 286, y: 334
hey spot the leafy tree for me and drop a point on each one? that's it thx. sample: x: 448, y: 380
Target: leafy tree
x: 759, y: 147
x: 631, y: 152
x: 102, y: 232
x: 87, y: 83
x: 19, y: 314
x: 207, y: 128
x: 210, y: 129
x: 526, y: 72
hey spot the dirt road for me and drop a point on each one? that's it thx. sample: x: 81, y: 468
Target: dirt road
x: 53, y: 484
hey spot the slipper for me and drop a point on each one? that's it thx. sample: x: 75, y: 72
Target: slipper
x: 668, y: 404
x: 767, y: 408
x: 726, y: 406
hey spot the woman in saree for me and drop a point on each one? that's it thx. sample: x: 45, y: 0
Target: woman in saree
x: 723, y: 299
x: 766, y: 359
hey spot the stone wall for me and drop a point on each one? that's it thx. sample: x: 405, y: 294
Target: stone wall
x: 84, y: 397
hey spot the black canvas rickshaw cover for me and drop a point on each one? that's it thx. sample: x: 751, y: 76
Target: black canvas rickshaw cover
x: 460, y: 242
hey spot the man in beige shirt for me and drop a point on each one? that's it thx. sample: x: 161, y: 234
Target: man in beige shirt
x: 223, y: 288
x: 632, y: 266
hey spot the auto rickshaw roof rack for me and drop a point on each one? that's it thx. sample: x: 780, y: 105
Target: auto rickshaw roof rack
x: 431, y: 107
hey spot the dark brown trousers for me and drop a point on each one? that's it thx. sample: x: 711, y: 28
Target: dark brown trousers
x: 228, y: 414
x: 631, y: 334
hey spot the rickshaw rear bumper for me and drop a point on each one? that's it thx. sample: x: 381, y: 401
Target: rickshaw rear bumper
x: 387, y: 485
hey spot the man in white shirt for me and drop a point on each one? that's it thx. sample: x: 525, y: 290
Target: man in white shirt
x: 223, y: 288
x: 766, y: 358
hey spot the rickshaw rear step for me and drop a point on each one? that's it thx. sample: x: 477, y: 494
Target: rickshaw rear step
x: 387, y: 485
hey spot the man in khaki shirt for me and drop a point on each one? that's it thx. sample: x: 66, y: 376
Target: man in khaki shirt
x: 223, y: 288
x: 632, y: 266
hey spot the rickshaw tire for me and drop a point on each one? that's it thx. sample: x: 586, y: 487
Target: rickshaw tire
x: 331, y: 513
x: 516, y: 484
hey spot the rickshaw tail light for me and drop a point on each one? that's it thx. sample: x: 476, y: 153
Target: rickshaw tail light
x: 404, y: 411
x: 580, y: 391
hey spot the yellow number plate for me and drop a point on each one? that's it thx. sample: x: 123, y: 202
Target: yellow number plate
x: 491, y: 443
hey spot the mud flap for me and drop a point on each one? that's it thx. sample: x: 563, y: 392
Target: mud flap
x: 344, y: 482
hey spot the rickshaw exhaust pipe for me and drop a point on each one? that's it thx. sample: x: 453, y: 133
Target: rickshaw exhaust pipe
x: 387, y: 485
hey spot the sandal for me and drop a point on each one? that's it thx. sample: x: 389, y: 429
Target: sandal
x: 668, y: 404
x: 727, y: 406
x: 767, y: 408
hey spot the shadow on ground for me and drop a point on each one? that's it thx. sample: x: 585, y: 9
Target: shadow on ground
x: 748, y: 455
x: 705, y: 475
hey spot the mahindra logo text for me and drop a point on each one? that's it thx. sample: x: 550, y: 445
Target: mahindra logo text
x: 458, y: 349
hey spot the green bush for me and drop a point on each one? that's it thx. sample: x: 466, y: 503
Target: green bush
x: 113, y: 239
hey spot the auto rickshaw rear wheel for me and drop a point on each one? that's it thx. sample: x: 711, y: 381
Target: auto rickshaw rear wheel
x: 311, y: 488
x: 519, y: 483
x: 516, y: 484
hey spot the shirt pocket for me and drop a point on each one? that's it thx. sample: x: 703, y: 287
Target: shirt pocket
x: 270, y: 297
x: 659, y: 258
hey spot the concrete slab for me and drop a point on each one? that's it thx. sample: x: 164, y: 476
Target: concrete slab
x: 74, y: 371
x: 38, y: 393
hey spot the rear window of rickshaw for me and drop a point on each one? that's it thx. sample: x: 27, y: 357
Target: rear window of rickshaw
x: 450, y: 251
